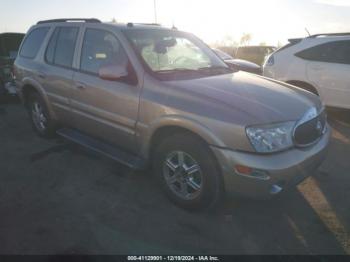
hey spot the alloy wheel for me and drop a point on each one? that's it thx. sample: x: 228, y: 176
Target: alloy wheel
x: 183, y: 175
x: 38, y: 116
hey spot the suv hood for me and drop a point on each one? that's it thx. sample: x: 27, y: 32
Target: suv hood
x: 246, y: 99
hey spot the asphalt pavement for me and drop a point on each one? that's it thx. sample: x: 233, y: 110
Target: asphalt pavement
x: 58, y: 198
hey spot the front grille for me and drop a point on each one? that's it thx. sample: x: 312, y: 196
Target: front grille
x: 310, y: 131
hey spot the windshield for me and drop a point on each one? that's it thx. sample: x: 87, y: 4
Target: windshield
x: 174, y: 52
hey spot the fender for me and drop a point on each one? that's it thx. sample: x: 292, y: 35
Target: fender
x: 27, y: 81
x: 145, y: 133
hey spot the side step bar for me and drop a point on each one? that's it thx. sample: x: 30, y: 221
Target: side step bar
x: 103, y: 148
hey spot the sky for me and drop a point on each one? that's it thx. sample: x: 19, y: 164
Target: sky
x: 268, y: 21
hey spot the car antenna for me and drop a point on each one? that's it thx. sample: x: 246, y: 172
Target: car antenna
x: 307, y: 31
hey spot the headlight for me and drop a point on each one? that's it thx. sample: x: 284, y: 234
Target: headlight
x: 271, y: 138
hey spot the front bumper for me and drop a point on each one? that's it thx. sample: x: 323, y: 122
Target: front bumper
x: 284, y: 169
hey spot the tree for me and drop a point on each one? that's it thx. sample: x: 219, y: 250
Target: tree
x: 245, y: 39
x: 114, y: 21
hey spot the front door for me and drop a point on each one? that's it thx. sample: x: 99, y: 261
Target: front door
x: 105, y: 109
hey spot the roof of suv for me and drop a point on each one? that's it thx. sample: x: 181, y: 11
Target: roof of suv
x: 329, y: 35
x: 313, y: 40
x: 318, y: 37
x: 96, y: 21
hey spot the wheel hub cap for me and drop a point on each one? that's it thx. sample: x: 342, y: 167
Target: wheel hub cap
x: 183, y: 175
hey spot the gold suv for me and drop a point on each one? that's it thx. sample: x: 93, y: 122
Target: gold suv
x: 144, y: 94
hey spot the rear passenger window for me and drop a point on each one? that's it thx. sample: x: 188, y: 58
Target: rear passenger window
x: 101, y: 48
x: 33, y: 42
x: 334, y: 52
x: 60, y: 50
x: 50, y: 52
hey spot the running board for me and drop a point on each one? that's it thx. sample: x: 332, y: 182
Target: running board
x: 103, y: 148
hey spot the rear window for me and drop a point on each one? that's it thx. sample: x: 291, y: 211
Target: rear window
x: 33, y: 42
x: 337, y: 52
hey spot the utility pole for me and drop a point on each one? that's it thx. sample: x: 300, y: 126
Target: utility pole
x: 155, y: 11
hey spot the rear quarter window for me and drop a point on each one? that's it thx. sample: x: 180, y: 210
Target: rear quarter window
x: 33, y: 42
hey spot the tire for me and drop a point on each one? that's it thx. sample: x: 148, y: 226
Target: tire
x: 204, y: 187
x: 40, y: 118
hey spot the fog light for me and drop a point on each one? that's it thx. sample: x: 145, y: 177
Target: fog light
x: 251, y: 172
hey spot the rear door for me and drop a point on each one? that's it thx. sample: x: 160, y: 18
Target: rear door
x: 57, y: 75
x: 105, y: 109
x: 328, y: 70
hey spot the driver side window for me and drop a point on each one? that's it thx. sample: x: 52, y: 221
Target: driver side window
x: 101, y: 48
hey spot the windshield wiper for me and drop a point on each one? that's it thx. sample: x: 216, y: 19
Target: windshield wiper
x: 214, y: 68
x: 202, y: 70
x: 176, y: 70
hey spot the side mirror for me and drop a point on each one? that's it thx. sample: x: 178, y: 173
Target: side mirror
x: 113, y: 72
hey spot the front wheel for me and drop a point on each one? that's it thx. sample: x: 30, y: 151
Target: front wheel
x: 188, y: 173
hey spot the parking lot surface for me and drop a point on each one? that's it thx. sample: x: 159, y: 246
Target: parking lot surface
x: 57, y: 198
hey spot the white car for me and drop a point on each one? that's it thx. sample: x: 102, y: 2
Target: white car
x: 319, y: 63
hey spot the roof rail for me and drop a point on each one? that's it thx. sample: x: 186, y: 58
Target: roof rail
x: 329, y: 34
x: 130, y: 24
x: 86, y: 20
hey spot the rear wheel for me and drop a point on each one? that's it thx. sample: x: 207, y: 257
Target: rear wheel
x: 188, y: 173
x: 42, y: 124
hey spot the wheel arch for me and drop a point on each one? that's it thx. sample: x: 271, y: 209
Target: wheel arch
x: 27, y: 90
x: 169, y: 125
x: 166, y: 131
x: 30, y: 86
